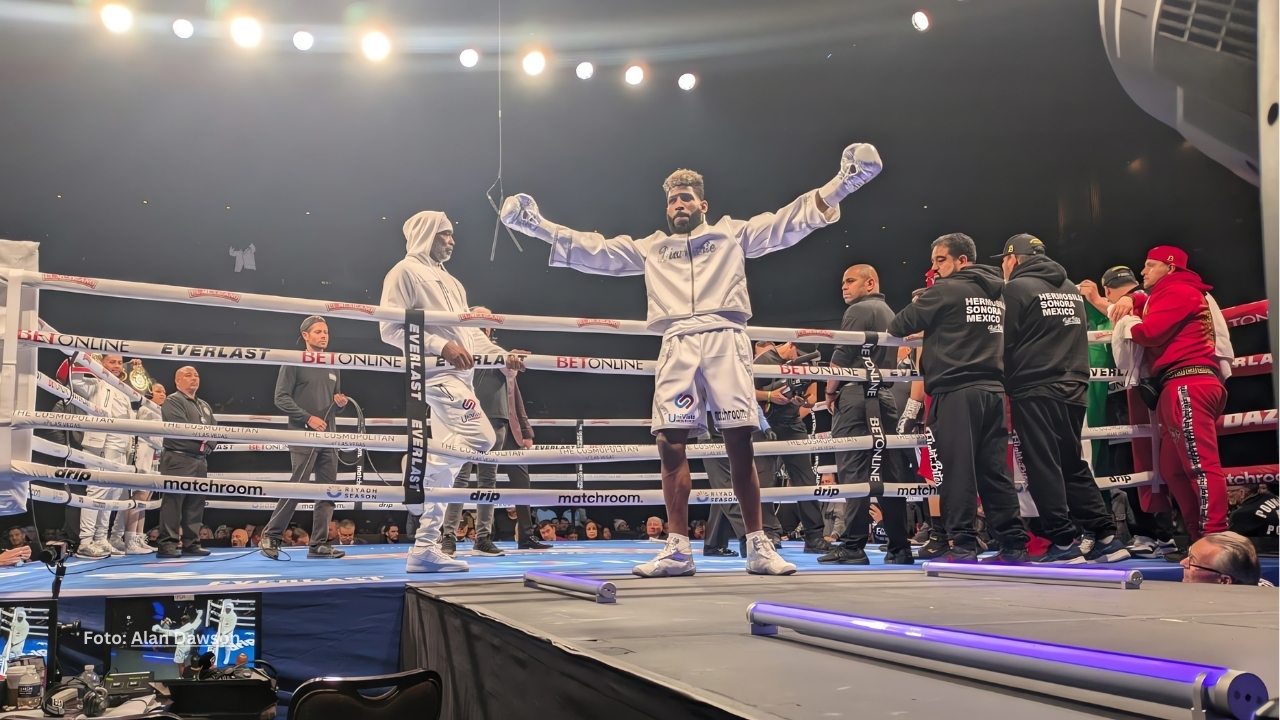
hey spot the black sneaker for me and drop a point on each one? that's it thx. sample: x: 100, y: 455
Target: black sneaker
x: 899, y: 557
x: 1007, y: 557
x: 532, y: 543
x: 958, y: 555
x: 270, y: 547
x: 325, y: 552
x: 485, y: 546
x: 846, y: 556
x: 936, y: 547
x: 922, y: 536
x: 168, y: 550
x: 449, y: 544
x: 817, y: 547
x: 195, y: 551
x: 718, y: 552
x: 1056, y: 555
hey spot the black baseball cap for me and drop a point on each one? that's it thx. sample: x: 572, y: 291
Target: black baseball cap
x: 1022, y: 244
x: 1117, y: 276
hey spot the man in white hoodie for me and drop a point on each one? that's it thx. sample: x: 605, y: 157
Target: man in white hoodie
x: 696, y: 284
x: 421, y: 282
x: 95, y: 524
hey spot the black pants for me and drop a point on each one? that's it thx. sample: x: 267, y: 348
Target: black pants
x: 855, y: 467
x: 517, y: 477
x: 807, y: 513
x: 725, y: 522
x: 181, y: 509
x: 972, y: 443
x: 324, y: 470
x: 1060, y: 481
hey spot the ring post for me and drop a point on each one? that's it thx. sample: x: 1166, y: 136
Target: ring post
x: 17, y: 368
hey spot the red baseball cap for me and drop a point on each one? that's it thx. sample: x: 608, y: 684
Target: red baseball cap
x: 1168, y: 254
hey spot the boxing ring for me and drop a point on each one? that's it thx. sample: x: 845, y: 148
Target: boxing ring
x: 440, y: 609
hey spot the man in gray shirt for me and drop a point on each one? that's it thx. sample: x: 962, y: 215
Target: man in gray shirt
x: 186, y: 458
x: 309, y: 397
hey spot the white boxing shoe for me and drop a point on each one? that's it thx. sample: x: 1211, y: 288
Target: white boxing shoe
x: 763, y: 557
x: 674, y: 560
x: 431, y: 559
x: 137, y: 546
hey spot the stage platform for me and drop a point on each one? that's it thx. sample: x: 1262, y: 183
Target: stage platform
x: 343, y: 617
x: 681, y: 647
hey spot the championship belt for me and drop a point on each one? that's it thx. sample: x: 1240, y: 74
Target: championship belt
x: 140, y: 380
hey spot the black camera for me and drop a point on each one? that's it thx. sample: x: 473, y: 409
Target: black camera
x: 55, y: 552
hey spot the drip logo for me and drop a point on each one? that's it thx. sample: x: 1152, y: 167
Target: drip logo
x: 826, y: 492
x: 485, y: 496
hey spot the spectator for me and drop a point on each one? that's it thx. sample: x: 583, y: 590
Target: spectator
x: 547, y: 531
x: 333, y: 528
x: 153, y: 534
x: 222, y: 533
x: 506, y: 524
x: 698, y: 529
x: 605, y: 533
x: 347, y: 533
x: 591, y: 531
x: 239, y: 538
x: 1226, y: 558
x: 286, y: 537
x: 18, y: 537
x: 12, y: 557
x: 833, y: 513
x: 1254, y: 515
x: 562, y: 526
x: 621, y: 528
x: 390, y: 534
x: 301, y: 538
x: 653, y: 529
x: 205, y: 533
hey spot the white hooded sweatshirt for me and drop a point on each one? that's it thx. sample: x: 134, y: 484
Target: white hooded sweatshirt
x: 421, y: 283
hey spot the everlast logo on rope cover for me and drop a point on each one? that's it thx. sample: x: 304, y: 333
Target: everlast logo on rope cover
x: 1245, y: 361
x: 72, y: 279
x: 588, y: 322
x: 223, y: 294
x: 214, y: 351
x: 500, y: 319
x: 354, y: 307
x: 485, y: 496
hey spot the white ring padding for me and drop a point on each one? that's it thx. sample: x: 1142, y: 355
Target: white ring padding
x: 537, y: 456
x: 394, y: 363
x: 53, y: 449
x: 269, y: 505
x: 358, y: 311
x: 553, y: 498
x: 502, y: 478
x: 62, y: 497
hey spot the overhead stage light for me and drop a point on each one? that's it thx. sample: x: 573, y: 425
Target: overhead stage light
x: 304, y: 40
x: 376, y: 46
x: 585, y: 70
x: 687, y: 81
x: 920, y: 21
x: 183, y: 28
x: 534, y: 63
x: 469, y: 57
x: 116, y: 18
x: 634, y: 75
x: 246, y: 32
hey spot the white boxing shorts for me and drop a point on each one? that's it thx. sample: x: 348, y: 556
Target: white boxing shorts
x: 704, y: 372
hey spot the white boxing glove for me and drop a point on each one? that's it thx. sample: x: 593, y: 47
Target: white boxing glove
x: 859, y: 163
x: 520, y: 213
x: 910, y: 416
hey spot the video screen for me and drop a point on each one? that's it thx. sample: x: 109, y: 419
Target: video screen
x: 172, y: 636
x: 24, y: 630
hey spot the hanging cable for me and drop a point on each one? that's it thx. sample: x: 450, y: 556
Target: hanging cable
x: 497, y: 184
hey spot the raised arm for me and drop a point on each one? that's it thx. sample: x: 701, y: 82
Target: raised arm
x: 587, y: 252
x: 770, y: 232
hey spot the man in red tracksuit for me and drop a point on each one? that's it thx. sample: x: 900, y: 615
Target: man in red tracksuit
x: 1179, y: 340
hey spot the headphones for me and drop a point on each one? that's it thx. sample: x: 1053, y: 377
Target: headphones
x: 94, y: 700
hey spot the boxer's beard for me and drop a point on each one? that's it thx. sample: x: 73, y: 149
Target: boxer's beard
x: 693, y: 220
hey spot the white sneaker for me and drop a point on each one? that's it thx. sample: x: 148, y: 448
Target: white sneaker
x: 1142, y: 546
x: 1164, y: 547
x: 137, y: 546
x: 117, y: 546
x: 763, y: 557
x: 93, y: 550
x: 674, y: 560
x: 431, y: 559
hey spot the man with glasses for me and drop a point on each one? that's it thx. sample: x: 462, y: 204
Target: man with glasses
x: 1225, y: 558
